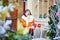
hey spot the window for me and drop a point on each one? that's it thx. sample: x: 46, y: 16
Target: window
x: 41, y: 8
x: 44, y: 7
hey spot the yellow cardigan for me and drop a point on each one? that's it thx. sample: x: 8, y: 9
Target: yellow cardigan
x: 24, y: 19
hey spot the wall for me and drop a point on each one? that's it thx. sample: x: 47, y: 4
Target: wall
x: 29, y: 5
x: 20, y: 8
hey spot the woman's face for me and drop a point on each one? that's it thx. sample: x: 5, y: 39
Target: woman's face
x: 27, y: 13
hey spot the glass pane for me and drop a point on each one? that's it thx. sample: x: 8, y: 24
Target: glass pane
x: 40, y: 13
x: 40, y: 3
x: 51, y: 2
x: 45, y: 9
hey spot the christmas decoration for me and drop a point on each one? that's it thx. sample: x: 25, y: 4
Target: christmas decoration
x: 4, y: 2
x: 53, y: 21
x: 57, y: 14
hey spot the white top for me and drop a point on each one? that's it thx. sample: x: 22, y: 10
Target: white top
x: 7, y: 23
x: 11, y: 7
x: 2, y: 30
x: 28, y: 19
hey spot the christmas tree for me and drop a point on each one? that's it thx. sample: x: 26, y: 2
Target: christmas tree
x: 53, y: 21
x: 4, y: 2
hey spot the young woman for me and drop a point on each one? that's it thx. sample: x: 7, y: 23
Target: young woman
x: 28, y: 20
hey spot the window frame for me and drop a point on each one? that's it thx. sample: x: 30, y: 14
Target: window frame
x: 43, y: 19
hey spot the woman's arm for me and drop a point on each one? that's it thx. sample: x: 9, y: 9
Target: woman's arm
x: 31, y: 23
x: 23, y: 22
